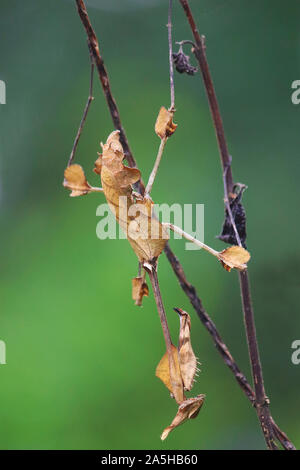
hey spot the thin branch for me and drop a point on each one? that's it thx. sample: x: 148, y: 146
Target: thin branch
x: 261, y: 400
x: 189, y: 290
x: 86, y: 109
x: 227, y: 205
x: 152, y: 272
x: 199, y: 51
x: 172, y: 106
x: 103, y: 76
x: 172, y: 89
x: 191, y: 239
x: 156, y: 165
x: 160, y: 307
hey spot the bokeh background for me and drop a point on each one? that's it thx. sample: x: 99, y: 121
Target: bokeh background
x: 80, y: 356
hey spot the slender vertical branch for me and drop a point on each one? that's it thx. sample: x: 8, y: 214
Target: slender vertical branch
x: 262, y: 402
x: 160, y: 307
x: 172, y: 105
x: 85, y: 112
x: 172, y: 89
x: 156, y: 165
x: 152, y: 272
x: 199, y: 52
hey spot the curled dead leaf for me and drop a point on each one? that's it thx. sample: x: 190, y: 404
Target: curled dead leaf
x: 139, y: 289
x: 189, y: 409
x: 76, y: 181
x: 187, y: 358
x: 234, y: 257
x: 164, y: 126
x: 170, y: 374
x: 145, y: 233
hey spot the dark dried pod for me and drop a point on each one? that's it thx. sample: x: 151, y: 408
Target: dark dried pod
x: 239, y: 216
x: 182, y: 63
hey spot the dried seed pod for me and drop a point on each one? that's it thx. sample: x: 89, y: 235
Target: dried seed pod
x: 239, y: 216
x: 182, y: 63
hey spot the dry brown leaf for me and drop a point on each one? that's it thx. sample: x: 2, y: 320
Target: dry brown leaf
x: 98, y: 164
x: 189, y: 409
x: 234, y: 257
x: 164, y: 126
x: 171, y: 376
x: 145, y: 233
x: 187, y: 358
x: 76, y: 181
x: 139, y: 289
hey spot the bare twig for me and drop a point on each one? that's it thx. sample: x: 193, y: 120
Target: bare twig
x: 86, y: 109
x: 191, y: 239
x: 189, y: 290
x: 261, y: 400
x: 152, y: 272
x: 227, y: 205
x: 160, y: 307
x: 156, y: 165
x: 112, y: 106
x: 172, y: 89
x: 172, y: 105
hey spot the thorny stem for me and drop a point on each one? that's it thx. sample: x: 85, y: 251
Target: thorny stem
x: 172, y: 89
x: 156, y: 165
x: 188, y: 288
x: 261, y: 401
x: 86, y: 109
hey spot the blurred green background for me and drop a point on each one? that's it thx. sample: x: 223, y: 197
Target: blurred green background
x: 80, y: 356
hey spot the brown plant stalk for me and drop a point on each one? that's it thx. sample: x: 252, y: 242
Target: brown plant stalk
x: 261, y: 400
x: 189, y: 290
